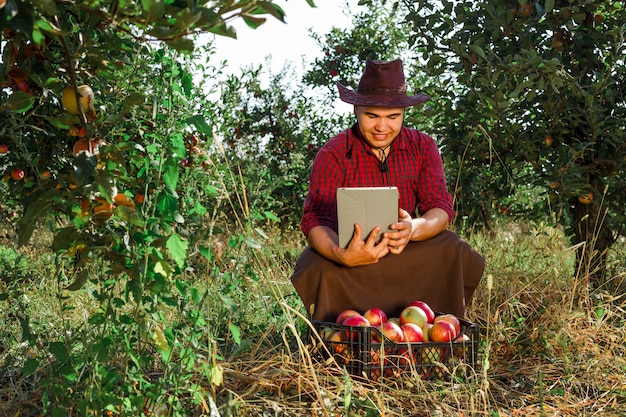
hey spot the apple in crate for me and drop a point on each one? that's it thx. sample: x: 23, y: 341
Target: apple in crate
x: 413, y: 314
x: 392, y: 331
x: 430, y: 314
x: 442, y: 331
x: 344, y: 315
x: 426, y: 332
x: 375, y: 316
x: 452, y: 319
x: 355, y: 320
x: 412, y: 333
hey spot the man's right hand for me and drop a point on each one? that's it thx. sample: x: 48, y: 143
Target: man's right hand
x: 358, y: 252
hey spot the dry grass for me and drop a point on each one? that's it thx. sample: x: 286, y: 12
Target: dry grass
x: 549, y: 346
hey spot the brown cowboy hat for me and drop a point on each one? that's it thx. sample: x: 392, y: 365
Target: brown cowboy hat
x: 382, y: 85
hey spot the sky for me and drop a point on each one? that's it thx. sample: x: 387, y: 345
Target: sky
x: 285, y: 42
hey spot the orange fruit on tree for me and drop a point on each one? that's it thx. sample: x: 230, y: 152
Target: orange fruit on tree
x: 89, y: 146
x: 122, y: 199
x: 586, y: 198
x: 17, y: 174
x: 86, y: 99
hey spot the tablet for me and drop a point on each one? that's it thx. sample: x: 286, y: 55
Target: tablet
x: 367, y: 206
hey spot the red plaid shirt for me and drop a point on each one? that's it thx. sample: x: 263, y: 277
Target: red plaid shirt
x: 414, y: 165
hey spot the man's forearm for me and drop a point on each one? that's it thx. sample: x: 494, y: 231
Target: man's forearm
x: 430, y: 224
x: 326, y: 242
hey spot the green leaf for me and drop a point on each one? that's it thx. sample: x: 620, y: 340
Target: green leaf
x: 178, y: 249
x: 33, y: 213
x: 199, y: 122
x: 170, y: 173
x: 271, y: 216
x: 181, y: 44
x: 253, y: 22
x: 271, y: 8
x: 59, y: 351
x: 549, y: 5
x: 47, y: 6
x: 134, y: 99
x: 206, y: 252
x: 163, y: 268
x: 80, y: 280
x: 235, y: 332
x: 20, y: 102
x: 155, y: 9
x: 30, y: 366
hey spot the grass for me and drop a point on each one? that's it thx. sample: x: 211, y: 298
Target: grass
x: 549, y: 345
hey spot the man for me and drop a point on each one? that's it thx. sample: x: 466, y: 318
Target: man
x: 419, y: 259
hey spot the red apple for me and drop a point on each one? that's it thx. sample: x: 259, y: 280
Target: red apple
x: 344, y: 315
x: 413, y: 314
x: 442, y: 331
x: 392, y: 331
x: 17, y: 174
x: 3, y: 148
x: 375, y: 316
x: 452, y: 319
x: 356, y: 320
x: 338, y: 342
x: 430, y: 314
x: 412, y: 333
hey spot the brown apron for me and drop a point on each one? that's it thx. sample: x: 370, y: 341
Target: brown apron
x: 443, y: 271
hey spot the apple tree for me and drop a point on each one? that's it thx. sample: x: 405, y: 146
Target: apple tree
x: 535, y: 114
x: 117, y: 172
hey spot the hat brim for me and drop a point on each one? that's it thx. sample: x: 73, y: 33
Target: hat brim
x: 380, y: 100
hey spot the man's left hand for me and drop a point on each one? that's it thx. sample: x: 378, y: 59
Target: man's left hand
x: 402, y: 235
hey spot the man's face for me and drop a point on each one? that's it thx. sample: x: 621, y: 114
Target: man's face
x: 379, y: 125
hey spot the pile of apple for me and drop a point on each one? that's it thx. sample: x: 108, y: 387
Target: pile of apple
x: 416, y: 323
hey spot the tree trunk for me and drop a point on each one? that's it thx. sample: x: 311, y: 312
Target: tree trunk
x: 594, y: 238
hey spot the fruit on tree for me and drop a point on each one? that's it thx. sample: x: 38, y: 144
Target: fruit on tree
x: 430, y: 314
x: 103, y: 209
x: 68, y: 99
x: 375, y: 316
x: 122, y: 199
x: 585, y: 198
x: 4, y: 148
x: 549, y: 140
x: 17, y: 174
x: 344, y: 315
x: 452, y: 319
x: 412, y: 333
x: 413, y: 314
x: 442, y: 331
x: 89, y: 146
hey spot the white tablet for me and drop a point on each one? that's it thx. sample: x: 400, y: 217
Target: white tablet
x: 367, y: 206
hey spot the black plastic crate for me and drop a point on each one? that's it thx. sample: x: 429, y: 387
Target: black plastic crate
x: 365, y: 357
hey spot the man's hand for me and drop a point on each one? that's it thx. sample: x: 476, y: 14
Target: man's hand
x: 430, y: 224
x: 364, y: 252
x: 359, y: 252
x: 402, y: 235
